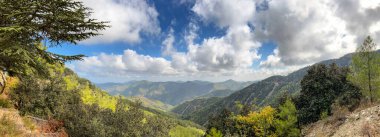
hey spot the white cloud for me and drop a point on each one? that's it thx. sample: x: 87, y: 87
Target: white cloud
x: 307, y: 32
x: 168, y: 48
x: 225, y: 12
x: 272, y: 61
x: 235, y: 50
x: 129, y: 63
x: 128, y: 19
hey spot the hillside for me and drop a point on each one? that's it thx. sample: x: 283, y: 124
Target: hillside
x: 150, y: 103
x: 191, y: 106
x: 15, y: 125
x: 260, y: 93
x: 361, y: 123
x: 81, y: 105
x: 173, y: 93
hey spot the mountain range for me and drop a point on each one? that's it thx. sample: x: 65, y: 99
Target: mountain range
x: 174, y: 93
x: 264, y: 92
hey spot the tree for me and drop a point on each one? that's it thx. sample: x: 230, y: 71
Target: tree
x: 29, y: 27
x: 214, y: 133
x: 365, y: 68
x: 222, y: 122
x: 262, y: 122
x: 286, y: 122
x: 321, y: 87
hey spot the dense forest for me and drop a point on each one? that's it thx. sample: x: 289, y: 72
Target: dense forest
x: 36, y: 84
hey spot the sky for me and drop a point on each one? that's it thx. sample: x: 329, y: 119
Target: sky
x: 216, y: 40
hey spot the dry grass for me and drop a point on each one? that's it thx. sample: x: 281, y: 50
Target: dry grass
x: 368, y: 130
x: 364, y: 104
x: 9, y: 128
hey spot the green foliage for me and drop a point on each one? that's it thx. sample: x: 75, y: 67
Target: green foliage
x: 320, y: 88
x: 366, y: 69
x: 99, y: 97
x: 25, y: 24
x: 180, y: 131
x: 324, y: 115
x: 222, y: 122
x: 286, y: 122
x: 5, y: 103
x: 54, y: 97
x: 214, y: 133
x: 262, y: 122
x: 350, y: 98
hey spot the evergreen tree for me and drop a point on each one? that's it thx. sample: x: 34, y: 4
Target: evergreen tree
x: 321, y: 87
x: 222, y: 122
x: 366, y: 69
x: 29, y: 27
x: 286, y: 123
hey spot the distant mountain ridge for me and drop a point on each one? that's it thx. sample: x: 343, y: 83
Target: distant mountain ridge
x: 174, y: 93
x: 260, y: 93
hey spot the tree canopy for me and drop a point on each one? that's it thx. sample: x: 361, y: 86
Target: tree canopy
x: 28, y: 28
x: 366, y: 69
x: 321, y: 87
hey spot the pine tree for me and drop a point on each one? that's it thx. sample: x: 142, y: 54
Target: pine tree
x: 286, y: 123
x: 365, y: 69
x: 29, y: 27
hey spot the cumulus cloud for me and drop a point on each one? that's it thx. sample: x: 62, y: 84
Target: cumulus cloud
x: 228, y: 55
x: 304, y: 32
x: 233, y: 51
x: 311, y: 31
x: 128, y: 19
x: 225, y: 12
x: 128, y: 64
x: 168, y: 48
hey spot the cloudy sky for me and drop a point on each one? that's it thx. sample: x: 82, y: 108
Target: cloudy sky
x: 215, y: 40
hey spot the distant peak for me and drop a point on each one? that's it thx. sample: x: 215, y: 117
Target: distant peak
x: 230, y: 80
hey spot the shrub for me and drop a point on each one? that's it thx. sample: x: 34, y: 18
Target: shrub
x: 4, y: 103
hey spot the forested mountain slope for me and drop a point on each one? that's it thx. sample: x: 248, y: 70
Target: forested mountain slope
x: 80, y: 105
x: 260, y: 93
x: 173, y: 93
x: 191, y: 106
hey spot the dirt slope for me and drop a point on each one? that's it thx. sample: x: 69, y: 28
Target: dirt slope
x: 14, y: 125
x: 364, y: 123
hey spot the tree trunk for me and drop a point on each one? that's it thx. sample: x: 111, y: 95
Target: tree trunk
x: 369, y: 78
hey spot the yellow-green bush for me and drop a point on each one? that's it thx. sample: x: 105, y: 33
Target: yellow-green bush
x: 180, y: 131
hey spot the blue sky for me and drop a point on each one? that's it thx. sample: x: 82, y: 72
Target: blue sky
x: 215, y: 40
